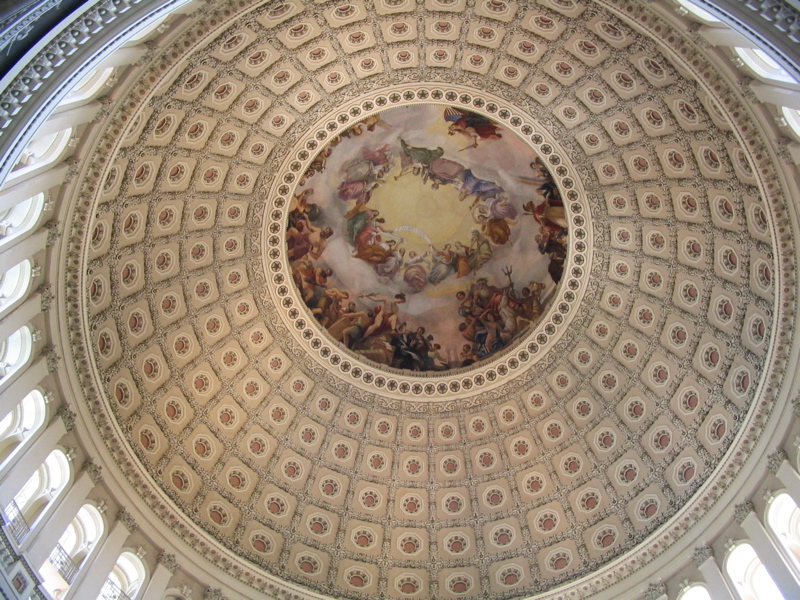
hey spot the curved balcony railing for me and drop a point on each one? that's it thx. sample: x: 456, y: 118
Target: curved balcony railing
x: 111, y: 591
x: 16, y: 524
x: 63, y: 563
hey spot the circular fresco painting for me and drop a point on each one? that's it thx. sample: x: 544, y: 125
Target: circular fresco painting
x: 427, y: 238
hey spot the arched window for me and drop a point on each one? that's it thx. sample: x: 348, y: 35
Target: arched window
x: 20, y: 424
x: 14, y: 284
x: 695, y: 591
x: 40, y: 153
x: 763, y: 65
x: 87, y: 88
x: 83, y: 533
x: 39, y: 491
x: 792, y: 117
x: 702, y: 15
x: 127, y: 577
x: 15, y: 352
x: 146, y: 31
x: 783, y: 518
x: 749, y: 576
x: 76, y: 543
x: 19, y: 221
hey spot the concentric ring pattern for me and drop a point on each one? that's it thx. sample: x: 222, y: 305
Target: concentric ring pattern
x: 552, y: 460
x: 532, y: 343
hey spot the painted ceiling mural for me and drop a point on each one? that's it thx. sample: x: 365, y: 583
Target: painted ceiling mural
x: 287, y: 199
x: 427, y: 238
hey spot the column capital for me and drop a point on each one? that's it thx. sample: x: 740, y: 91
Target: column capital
x: 656, y: 590
x: 68, y: 416
x: 126, y: 518
x: 54, y: 227
x: 697, y: 37
x: 796, y: 407
x: 94, y: 471
x: 213, y: 594
x: 53, y: 358
x: 775, y: 460
x: 701, y: 554
x: 741, y: 511
x: 47, y: 296
x: 744, y: 82
x: 168, y: 561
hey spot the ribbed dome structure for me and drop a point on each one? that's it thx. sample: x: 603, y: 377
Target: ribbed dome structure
x: 434, y: 299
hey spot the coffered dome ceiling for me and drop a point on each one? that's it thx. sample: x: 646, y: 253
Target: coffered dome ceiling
x: 291, y: 447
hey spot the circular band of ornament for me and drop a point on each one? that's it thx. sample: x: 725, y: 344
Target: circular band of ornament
x: 439, y: 385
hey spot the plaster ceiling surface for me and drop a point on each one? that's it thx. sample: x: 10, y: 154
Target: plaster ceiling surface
x: 296, y: 457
